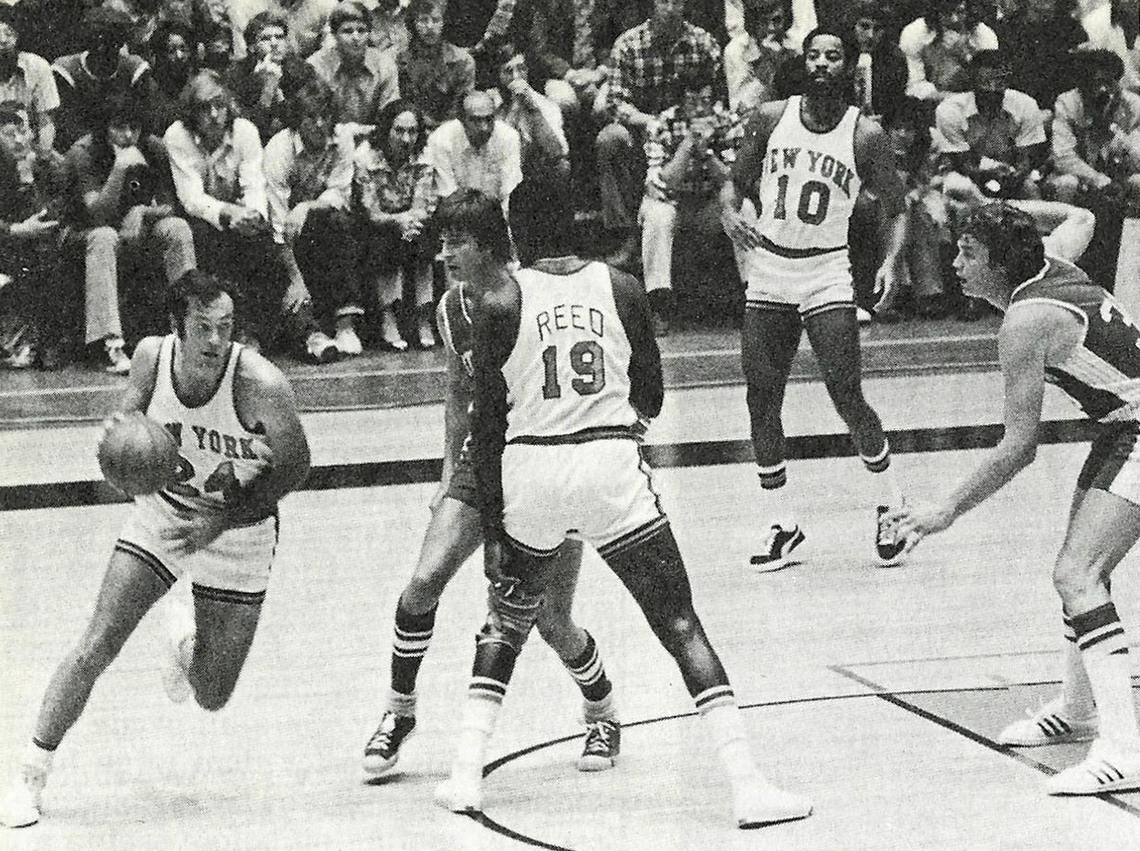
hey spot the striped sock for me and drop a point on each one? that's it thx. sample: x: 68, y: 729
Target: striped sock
x: 777, y: 503
x: 589, y: 672
x: 718, y: 710
x: 1104, y: 649
x: 413, y: 637
x: 1076, y: 690
x: 885, y: 485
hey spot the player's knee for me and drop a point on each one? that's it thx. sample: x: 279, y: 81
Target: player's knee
x: 555, y: 627
x: 496, y: 632
x: 423, y: 591
x: 1074, y: 576
x: 678, y: 630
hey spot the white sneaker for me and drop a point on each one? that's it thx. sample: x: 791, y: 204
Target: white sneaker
x: 462, y: 792
x: 1107, y: 768
x: 20, y: 805
x: 757, y: 802
x: 1052, y: 724
x: 390, y: 333
x: 321, y: 348
x: 348, y: 343
x: 117, y: 361
x: 179, y: 645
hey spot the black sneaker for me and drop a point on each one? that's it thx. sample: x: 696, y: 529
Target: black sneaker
x: 888, y: 548
x: 601, y: 746
x: 383, y: 749
x: 778, y: 546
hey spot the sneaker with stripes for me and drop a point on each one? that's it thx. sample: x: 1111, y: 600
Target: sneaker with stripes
x: 1052, y: 724
x: 778, y: 548
x: 601, y: 745
x: 1107, y: 768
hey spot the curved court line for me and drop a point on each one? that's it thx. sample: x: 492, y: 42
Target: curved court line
x: 876, y: 692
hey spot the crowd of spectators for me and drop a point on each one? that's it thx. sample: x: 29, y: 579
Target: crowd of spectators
x: 299, y: 147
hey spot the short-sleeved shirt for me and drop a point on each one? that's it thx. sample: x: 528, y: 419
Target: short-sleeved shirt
x: 494, y: 169
x: 1019, y: 124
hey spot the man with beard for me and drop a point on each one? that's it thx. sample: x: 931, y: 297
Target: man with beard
x: 803, y: 162
x: 27, y: 78
x: 172, y: 49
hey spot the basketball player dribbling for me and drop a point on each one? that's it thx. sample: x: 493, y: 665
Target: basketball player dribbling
x: 242, y: 448
x: 1060, y: 328
x: 567, y: 372
x: 808, y: 157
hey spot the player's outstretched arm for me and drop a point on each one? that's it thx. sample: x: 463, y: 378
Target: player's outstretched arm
x: 1022, y: 346
x: 1068, y: 229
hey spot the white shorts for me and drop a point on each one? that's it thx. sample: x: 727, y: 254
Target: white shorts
x: 233, y: 568
x: 810, y: 284
x: 600, y: 491
x: 1113, y: 464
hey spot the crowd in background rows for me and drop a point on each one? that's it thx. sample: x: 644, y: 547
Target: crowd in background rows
x: 299, y: 147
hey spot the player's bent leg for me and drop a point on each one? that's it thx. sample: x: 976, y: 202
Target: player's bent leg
x: 453, y: 534
x: 579, y: 653
x: 226, y: 623
x: 130, y: 588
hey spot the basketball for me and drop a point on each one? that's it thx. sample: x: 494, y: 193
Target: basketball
x: 137, y: 455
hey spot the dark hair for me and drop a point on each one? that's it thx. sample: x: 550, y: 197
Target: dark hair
x: 935, y: 9
x: 1010, y: 235
x: 349, y: 10
x: 914, y: 114
x: 498, y: 52
x: 471, y: 212
x: 196, y: 285
x: 164, y: 30
x: 753, y: 8
x: 993, y: 60
x: 694, y: 77
x: 11, y: 16
x: 387, y: 116
x: 850, y: 49
x: 13, y: 112
x: 313, y: 98
x: 263, y: 21
x: 1099, y: 60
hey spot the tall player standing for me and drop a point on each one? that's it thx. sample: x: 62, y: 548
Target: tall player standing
x: 1061, y: 329
x: 242, y: 449
x: 566, y: 371
x: 808, y: 157
x: 453, y: 535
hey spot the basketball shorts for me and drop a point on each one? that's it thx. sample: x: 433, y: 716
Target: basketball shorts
x: 809, y: 284
x: 1113, y: 464
x: 599, y: 491
x: 234, y: 567
x: 462, y: 485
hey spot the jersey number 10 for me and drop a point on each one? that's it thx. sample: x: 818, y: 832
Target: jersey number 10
x: 813, y: 194
x: 586, y: 359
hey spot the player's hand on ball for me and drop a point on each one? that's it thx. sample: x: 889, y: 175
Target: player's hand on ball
x: 914, y: 522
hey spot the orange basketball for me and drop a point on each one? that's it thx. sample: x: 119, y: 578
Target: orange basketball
x: 137, y: 455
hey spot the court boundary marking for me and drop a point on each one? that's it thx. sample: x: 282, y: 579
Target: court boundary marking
x: 706, y: 453
x: 876, y: 692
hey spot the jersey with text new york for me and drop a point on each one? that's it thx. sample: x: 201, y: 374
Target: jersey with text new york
x: 808, y: 183
x: 217, y: 453
x: 1102, y: 374
x: 568, y: 372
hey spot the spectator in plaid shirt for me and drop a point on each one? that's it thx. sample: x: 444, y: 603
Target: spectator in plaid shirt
x: 689, y: 151
x: 646, y: 62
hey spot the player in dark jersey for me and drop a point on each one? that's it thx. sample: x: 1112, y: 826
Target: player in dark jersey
x: 567, y: 371
x: 1061, y: 329
x: 802, y: 164
x: 453, y: 535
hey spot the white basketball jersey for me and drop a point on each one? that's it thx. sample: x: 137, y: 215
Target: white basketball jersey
x: 569, y: 368
x: 217, y: 453
x: 808, y: 183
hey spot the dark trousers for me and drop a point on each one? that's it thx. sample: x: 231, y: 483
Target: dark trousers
x: 541, y: 215
x: 45, y: 291
x: 326, y: 251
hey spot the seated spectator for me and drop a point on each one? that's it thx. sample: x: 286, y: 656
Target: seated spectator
x: 363, y: 78
x: 394, y: 194
x: 752, y: 59
x: 27, y: 78
x: 881, y: 73
x: 478, y: 150
x: 1111, y: 25
x: 125, y: 207
x: 647, y: 60
x: 1096, y: 155
x: 435, y: 75
x: 308, y: 177
x: 173, y: 54
x: 218, y: 48
x: 689, y: 149
x: 270, y: 75
x: 939, y: 45
x: 87, y: 79
x: 389, y: 26
x: 1036, y: 39
x: 541, y: 204
x: 31, y: 202
x: 216, y: 161
x: 993, y: 136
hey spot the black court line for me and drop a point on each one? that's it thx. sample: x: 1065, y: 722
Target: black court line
x: 895, y: 699
x: 692, y: 454
x: 877, y: 693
